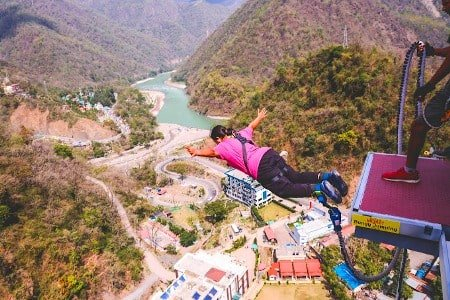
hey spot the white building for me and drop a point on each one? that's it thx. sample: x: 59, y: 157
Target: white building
x: 204, y: 276
x: 241, y: 187
x: 319, y: 225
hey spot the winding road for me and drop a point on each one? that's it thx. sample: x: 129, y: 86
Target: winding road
x: 173, y: 138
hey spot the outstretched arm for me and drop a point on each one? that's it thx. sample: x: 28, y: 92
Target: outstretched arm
x: 207, y: 152
x: 261, y: 115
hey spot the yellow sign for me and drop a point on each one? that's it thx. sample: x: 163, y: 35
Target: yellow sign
x: 376, y: 223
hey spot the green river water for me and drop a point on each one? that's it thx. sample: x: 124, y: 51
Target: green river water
x: 175, y: 109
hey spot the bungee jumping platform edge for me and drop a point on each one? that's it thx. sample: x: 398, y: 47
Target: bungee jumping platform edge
x: 412, y: 216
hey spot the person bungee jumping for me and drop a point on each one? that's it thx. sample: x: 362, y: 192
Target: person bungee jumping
x: 436, y: 113
x: 267, y: 167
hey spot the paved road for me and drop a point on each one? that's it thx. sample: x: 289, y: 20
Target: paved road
x: 212, y: 189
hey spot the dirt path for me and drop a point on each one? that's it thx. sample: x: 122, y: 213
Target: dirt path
x: 156, y: 268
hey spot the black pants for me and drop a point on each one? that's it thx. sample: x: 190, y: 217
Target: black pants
x: 278, y: 177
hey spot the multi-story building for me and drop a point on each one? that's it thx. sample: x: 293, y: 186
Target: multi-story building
x: 204, y: 276
x: 241, y: 187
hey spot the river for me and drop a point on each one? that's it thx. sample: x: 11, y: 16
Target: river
x: 175, y: 109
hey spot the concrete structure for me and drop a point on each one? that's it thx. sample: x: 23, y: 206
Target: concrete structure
x: 205, y: 276
x: 320, y: 225
x: 241, y: 187
x: 289, y: 252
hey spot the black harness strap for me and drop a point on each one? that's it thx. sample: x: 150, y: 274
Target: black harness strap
x: 243, y: 141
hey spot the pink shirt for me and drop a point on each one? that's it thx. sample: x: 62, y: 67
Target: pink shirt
x: 231, y: 150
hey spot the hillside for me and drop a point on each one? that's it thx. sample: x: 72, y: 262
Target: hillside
x: 246, y: 49
x: 73, y: 43
x: 61, y: 239
x: 332, y: 107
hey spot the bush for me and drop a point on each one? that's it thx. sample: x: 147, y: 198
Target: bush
x: 98, y: 149
x: 171, y: 249
x: 63, y: 150
x: 4, y: 215
x: 187, y: 238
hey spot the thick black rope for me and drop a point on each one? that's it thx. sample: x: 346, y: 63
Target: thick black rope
x: 400, y: 114
x: 401, y: 274
x: 420, y: 81
x: 402, y: 95
x: 358, y: 273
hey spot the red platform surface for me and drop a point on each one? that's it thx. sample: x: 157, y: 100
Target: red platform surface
x: 428, y: 200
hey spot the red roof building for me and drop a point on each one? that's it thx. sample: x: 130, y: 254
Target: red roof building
x: 286, y: 269
x: 270, y: 235
x: 300, y: 269
x: 215, y: 274
x: 314, y: 269
x: 273, y: 272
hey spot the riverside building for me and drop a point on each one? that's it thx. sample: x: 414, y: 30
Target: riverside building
x: 241, y: 187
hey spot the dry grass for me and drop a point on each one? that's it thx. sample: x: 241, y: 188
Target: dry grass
x: 273, y: 212
x: 185, y: 217
x: 293, y: 291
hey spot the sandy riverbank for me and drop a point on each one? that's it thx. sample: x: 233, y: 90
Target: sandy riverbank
x: 141, y: 81
x: 218, y: 117
x: 155, y: 98
x: 177, y: 85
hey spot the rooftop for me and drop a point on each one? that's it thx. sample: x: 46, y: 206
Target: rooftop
x: 269, y: 233
x: 244, y: 177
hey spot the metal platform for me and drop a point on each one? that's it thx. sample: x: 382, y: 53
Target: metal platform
x: 412, y: 216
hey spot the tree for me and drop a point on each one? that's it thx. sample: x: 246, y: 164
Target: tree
x: 187, y: 238
x: 216, y: 211
x: 98, y: 149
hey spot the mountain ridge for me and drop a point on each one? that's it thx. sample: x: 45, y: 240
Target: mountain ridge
x: 246, y: 49
x: 72, y: 42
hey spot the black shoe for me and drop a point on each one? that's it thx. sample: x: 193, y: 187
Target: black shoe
x: 325, y: 188
x: 336, y: 180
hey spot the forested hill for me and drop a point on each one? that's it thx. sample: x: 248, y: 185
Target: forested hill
x: 71, y: 43
x: 330, y: 108
x: 246, y: 49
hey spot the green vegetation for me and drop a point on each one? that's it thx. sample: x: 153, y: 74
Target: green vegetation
x: 132, y: 108
x: 137, y: 207
x: 273, y: 211
x: 218, y: 210
x: 238, y: 243
x: 98, y: 149
x: 185, y: 168
x: 79, y: 42
x: 145, y: 174
x: 63, y: 150
x: 242, y: 55
x: 257, y: 217
x: 337, y: 105
x: 187, y: 238
x: 370, y: 258
x: 61, y: 238
x: 171, y: 249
